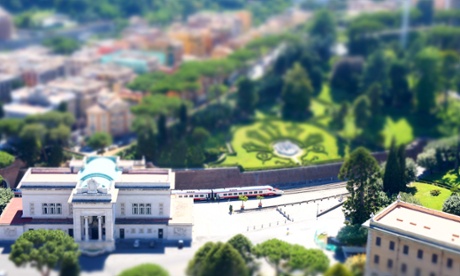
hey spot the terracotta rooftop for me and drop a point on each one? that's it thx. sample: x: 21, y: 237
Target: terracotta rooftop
x: 13, y: 213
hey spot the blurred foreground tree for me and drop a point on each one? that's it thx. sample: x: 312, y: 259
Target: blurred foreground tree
x: 346, y: 76
x: 362, y: 172
x: 356, y: 264
x: 323, y: 34
x: 338, y: 270
x: 44, y: 249
x: 145, y: 270
x: 6, y: 159
x: 428, y: 62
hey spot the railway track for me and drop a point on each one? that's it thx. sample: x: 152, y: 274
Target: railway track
x: 315, y: 188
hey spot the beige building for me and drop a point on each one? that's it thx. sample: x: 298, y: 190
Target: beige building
x: 110, y: 114
x: 85, y: 90
x: 407, y: 239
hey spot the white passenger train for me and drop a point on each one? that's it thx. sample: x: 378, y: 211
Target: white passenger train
x: 228, y: 193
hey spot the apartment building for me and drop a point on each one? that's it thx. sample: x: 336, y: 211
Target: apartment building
x: 108, y: 73
x: 109, y: 114
x: 407, y: 239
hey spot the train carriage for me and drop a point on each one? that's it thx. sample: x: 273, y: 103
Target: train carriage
x: 228, y: 193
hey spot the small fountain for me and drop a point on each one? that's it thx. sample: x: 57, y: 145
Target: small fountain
x: 286, y: 148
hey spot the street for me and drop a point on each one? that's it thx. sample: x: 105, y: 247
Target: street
x: 214, y: 223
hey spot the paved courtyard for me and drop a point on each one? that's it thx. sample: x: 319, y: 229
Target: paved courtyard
x: 214, y: 223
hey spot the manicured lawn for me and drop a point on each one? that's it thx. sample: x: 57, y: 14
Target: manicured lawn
x: 325, y: 94
x: 400, y: 129
x: 427, y: 200
x: 317, y: 108
x: 250, y: 141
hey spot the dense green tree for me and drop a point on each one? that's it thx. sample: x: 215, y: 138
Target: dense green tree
x: 297, y: 93
x: 449, y: 119
x: 362, y: 173
x: 346, y: 76
x: 377, y: 70
x: 429, y: 77
x: 338, y: 116
x: 362, y: 111
x: 375, y: 99
x: 274, y: 251
x: 195, y: 156
x: 158, y: 104
x: 410, y: 198
x: 32, y: 137
x: 11, y: 127
x: 144, y: 127
x: 2, y: 112
x: 361, y: 36
x: 196, y: 264
x: 62, y: 45
x: 44, y: 250
x: 352, y: 235
x: 323, y: 34
x: 223, y: 260
x: 411, y: 170
x: 311, y: 63
x: 399, y: 86
x: 391, y: 177
x: 199, y: 136
x: 70, y: 268
x: 5, y: 196
x: 452, y: 205
x: 215, y: 116
x: 426, y: 8
x: 145, y: 270
x: 99, y: 141
x: 163, y: 135
x: 311, y: 261
x: 338, y: 270
x: 183, y: 117
x: 247, y: 97
x: 427, y: 159
x: 244, y: 246
x: 6, y: 159
x: 450, y: 66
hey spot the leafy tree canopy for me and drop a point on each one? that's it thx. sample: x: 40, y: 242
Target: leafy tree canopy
x: 100, y: 140
x: 145, y: 270
x: 6, y: 159
x: 452, y: 205
x: 44, y: 250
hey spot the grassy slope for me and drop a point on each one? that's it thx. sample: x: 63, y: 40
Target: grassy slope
x: 400, y: 129
x: 427, y: 200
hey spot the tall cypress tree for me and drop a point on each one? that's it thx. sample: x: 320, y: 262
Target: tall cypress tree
x: 402, y: 168
x: 391, y: 177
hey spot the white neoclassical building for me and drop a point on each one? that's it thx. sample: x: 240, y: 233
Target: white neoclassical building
x: 98, y: 200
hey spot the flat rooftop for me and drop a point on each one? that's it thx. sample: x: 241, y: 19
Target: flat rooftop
x: 414, y: 220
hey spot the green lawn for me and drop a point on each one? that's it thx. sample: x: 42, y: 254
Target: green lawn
x: 254, y: 140
x: 433, y: 202
x: 400, y: 129
x: 317, y: 108
x: 325, y: 94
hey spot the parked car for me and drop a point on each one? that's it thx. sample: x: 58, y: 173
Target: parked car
x: 180, y: 244
x: 136, y: 244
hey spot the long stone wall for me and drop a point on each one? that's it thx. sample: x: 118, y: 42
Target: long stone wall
x: 10, y: 173
x: 281, y: 178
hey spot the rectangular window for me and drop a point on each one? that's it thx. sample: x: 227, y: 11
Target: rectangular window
x: 149, y: 230
x: 250, y: 193
x: 378, y: 241
x: 141, y: 209
x: 31, y: 209
x: 450, y: 263
x: 135, y: 209
x: 392, y: 245
x: 148, y: 209
x: 133, y: 230
x: 403, y: 268
x: 160, y: 209
x: 58, y: 208
x: 44, y: 209
x: 376, y: 259
x: 239, y: 193
x: 420, y: 254
x: 122, y: 209
x: 235, y: 194
x: 406, y: 250
x: 434, y: 258
x: 70, y: 209
x: 245, y: 193
x: 141, y: 231
x: 52, y: 209
x: 390, y: 263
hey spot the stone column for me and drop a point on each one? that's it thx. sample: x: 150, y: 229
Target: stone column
x: 86, y: 229
x: 99, y: 224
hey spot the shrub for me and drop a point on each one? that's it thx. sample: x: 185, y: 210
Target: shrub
x: 6, y: 159
x: 145, y: 269
x: 352, y: 235
x: 435, y: 192
x: 452, y: 205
